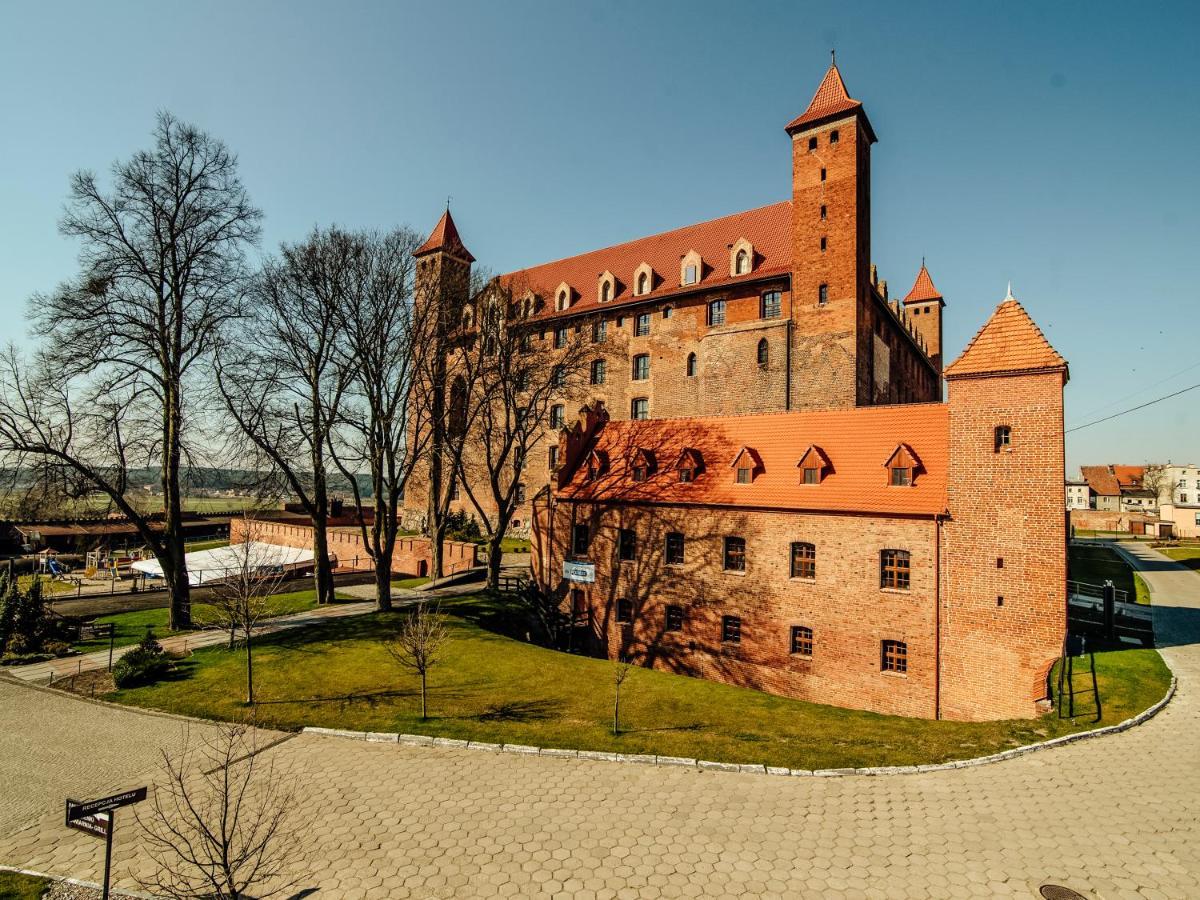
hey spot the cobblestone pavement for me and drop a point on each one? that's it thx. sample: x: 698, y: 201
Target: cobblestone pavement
x: 1111, y: 817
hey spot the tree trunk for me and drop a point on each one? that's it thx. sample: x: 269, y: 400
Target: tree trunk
x: 495, y: 556
x: 249, y: 671
x: 617, y: 711
x: 383, y: 585
x: 322, y: 570
x: 424, y: 707
x: 437, y: 535
x: 175, y: 575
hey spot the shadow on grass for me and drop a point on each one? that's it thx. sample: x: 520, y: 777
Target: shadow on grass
x: 520, y: 711
x: 690, y: 727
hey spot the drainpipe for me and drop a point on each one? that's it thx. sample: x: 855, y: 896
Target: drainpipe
x: 937, y: 605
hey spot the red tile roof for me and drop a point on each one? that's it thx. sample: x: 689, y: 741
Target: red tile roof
x: 830, y: 99
x: 767, y: 228
x: 1008, y: 342
x: 445, y: 237
x: 923, y: 288
x: 857, y: 443
x: 1101, y: 480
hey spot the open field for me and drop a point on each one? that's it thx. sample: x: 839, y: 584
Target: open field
x: 1095, y: 565
x: 14, y: 886
x: 493, y: 688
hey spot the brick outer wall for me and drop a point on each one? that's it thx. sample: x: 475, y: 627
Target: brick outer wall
x: 1007, y: 505
x: 411, y: 556
x: 849, y: 613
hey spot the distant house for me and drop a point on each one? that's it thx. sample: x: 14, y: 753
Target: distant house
x: 1180, y: 501
x: 1079, y: 495
x: 1117, y: 488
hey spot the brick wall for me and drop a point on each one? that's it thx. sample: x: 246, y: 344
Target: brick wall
x: 848, y: 612
x: 411, y: 556
x: 1006, y: 538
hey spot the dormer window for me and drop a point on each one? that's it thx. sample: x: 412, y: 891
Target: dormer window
x: 745, y: 465
x: 813, y: 465
x: 741, y: 257
x: 640, y: 473
x: 902, y: 466
x: 607, y: 288
x: 688, y: 465
x: 643, y: 279
x: 690, y: 268
x: 597, y: 463
x: 642, y: 465
x: 562, y: 297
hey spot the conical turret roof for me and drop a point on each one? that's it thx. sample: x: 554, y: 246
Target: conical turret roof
x: 1008, y: 342
x: 445, y: 238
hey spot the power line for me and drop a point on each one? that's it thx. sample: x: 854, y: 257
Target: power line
x: 1134, y: 409
x: 1111, y: 403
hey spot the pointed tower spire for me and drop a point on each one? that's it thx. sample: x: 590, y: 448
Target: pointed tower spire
x: 923, y: 288
x: 831, y: 100
x: 1008, y: 342
x: 445, y: 238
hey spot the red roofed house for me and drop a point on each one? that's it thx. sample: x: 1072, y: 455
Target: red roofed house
x: 768, y: 310
x: 906, y: 559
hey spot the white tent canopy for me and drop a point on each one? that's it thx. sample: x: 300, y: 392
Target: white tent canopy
x: 206, y: 566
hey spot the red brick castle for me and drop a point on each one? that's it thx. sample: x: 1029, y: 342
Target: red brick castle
x: 764, y: 485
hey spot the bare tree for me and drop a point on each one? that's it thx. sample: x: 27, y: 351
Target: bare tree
x: 162, y: 268
x: 241, y: 598
x: 223, y: 822
x: 418, y: 645
x: 281, y: 380
x: 620, y: 673
x: 381, y: 425
x: 519, y: 379
x: 1156, y: 480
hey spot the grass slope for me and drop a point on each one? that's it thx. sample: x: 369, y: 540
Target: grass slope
x: 1095, y: 565
x: 492, y: 688
x: 1189, y: 556
x: 14, y: 886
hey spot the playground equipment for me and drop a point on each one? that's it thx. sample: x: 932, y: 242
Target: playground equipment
x: 114, y: 564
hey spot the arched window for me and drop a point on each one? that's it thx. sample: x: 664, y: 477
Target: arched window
x: 691, y: 365
x: 742, y: 264
x: 643, y: 283
x: 764, y: 353
x: 605, y: 292
x: 562, y: 299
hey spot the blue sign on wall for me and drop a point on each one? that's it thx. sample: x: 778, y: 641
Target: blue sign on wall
x: 580, y: 573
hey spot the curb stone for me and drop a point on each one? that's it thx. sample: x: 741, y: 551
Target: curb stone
x: 748, y: 768
x: 382, y: 737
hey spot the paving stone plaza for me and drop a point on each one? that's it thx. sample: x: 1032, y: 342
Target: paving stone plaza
x: 1108, y: 817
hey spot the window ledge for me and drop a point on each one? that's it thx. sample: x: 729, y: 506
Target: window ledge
x: 802, y: 579
x: 801, y: 657
x: 901, y: 591
x: 733, y: 572
x: 893, y: 674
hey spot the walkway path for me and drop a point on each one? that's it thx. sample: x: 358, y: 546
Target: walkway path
x: 1113, y: 817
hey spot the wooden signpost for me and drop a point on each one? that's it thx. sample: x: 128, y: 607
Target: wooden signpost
x: 97, y: 818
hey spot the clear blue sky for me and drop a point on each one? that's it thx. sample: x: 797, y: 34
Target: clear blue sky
x: 1051, y: 144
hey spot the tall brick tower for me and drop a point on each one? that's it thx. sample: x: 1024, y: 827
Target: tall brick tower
x: 924, y: 305
x: 443, y: 283
x: 1004, y: 603
x: 831, y: 247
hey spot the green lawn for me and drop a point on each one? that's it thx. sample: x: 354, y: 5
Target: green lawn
x: 492, y: 688
x: 131, y: 626
x: 514, y: 545
x: 14, y: 886
x: 1095, y: 565
x: 410, y: 582
x: 196, y: 546
x: 1189, y: 556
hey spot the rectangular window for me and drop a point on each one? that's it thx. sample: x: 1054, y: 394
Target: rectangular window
x: 1003, y: 439
x: 894, y: 569
x: 558, y: 377
x: 894, y: 656
x: 822, y: 295
x: 731, y: 629
x: 812, y: 475
x: 674, y: 618
x: 599, y: 367
x: 552, y: 454
x: 639, y: 408
x: 454, y: 490
x: 640, y: 473
x: 804, y: 560
x: 674, y: 548
x: 641, y: 326
x: 735, y: 554
x: 716, y: 312
x: 771, y: 305
x: 802, y: 640
x: 599, y: 331
x: 689, y: 275
x: 624, y: 612
x: 685, y: 475
x: 556, y: 416
x: 641, y: 367
x: 526, y: 344
x: 521, y: 492
x: 627, y: 544
x: 560, y: 338
x: 745, y: 475
x: 901, y: 476
x: 580, y: 538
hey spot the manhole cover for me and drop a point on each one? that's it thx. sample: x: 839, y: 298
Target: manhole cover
x: 1058, y: 892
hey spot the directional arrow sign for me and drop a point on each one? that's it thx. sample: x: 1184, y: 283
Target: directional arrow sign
x: 98, y: 825
x: 105, y: 804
